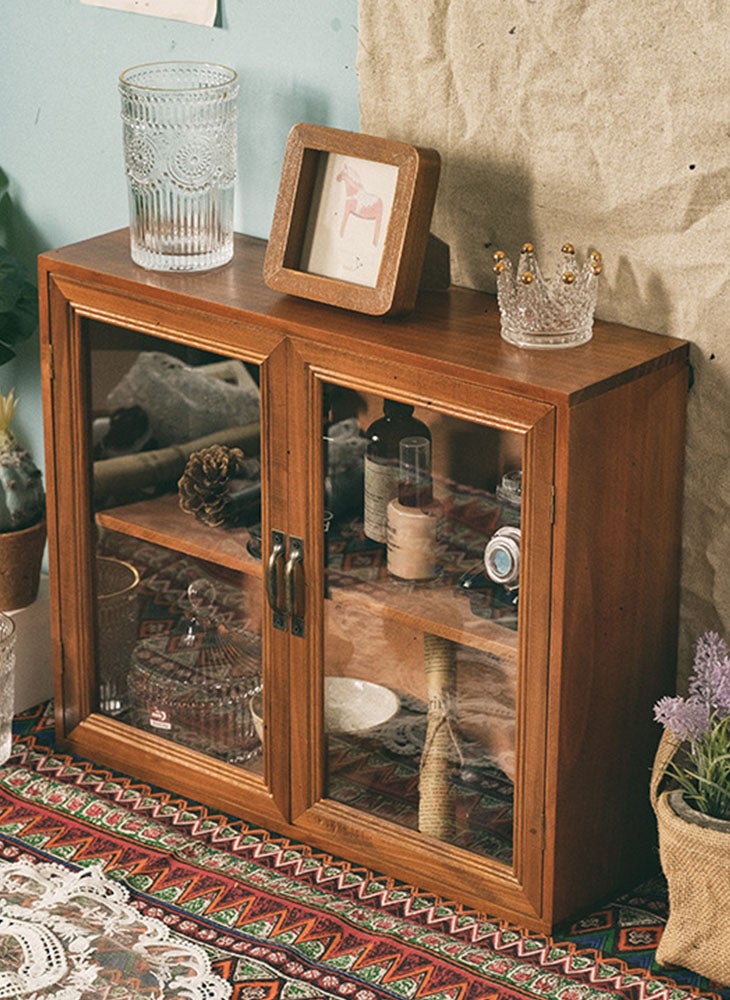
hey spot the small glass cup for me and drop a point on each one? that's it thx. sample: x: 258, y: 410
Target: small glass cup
x: 7, y: 685
x: 180, y: 142
x: 117, y: 621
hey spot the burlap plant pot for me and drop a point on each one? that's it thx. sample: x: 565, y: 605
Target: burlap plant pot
x: 695, y: 856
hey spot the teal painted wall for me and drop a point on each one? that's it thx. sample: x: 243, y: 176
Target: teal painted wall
x: 60, y: 135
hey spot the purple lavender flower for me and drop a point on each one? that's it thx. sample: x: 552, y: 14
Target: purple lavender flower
x: 686, y: 718
x: 721, y: 683
x: 711, y: 667
x: 703, y: 721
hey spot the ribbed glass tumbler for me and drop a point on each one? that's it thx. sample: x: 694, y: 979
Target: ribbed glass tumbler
x: 180, y: 136
x: 7, y: 684
x: 117, y: 623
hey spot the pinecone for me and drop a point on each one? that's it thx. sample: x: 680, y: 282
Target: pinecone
x: 204, y: 487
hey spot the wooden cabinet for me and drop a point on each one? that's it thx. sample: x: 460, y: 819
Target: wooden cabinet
x: 489, y: 744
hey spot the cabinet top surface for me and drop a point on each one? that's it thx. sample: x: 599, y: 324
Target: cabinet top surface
x: 453, y: 332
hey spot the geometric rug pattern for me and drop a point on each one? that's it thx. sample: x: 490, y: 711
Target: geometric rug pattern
x: 279, y: 919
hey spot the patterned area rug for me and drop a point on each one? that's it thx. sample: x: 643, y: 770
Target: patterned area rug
x: 74, y: 934
x: 277, y: 919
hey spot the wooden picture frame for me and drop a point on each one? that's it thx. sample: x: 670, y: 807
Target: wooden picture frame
x: 352, y: 220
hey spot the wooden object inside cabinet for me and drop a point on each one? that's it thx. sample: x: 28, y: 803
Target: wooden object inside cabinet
x: 489, y: 743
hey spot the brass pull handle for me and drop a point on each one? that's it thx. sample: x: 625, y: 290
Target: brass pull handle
x: 275, y: 573
x: 295, y: 588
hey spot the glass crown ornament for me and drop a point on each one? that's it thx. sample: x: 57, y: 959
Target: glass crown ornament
x: 553, y: 312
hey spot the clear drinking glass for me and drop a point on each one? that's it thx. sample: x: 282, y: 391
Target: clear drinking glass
x: 7, y: 684
x: 117, y: 619
x: 180, y: 138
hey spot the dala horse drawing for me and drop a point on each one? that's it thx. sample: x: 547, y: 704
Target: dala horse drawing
x: 359, y: 202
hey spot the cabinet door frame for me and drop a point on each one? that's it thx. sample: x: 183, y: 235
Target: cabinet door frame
x: 69, y: 305
x: 402, y: 852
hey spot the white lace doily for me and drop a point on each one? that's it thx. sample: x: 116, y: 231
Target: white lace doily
x: 76, y: 936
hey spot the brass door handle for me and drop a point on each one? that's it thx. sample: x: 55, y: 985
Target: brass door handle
x: 275, y: 578
x: 295, y: 586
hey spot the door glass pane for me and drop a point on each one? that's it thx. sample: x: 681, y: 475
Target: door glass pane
x: 421, y: 620
x: 176, y: 502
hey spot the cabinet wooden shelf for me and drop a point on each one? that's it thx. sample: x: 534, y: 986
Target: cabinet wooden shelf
x: 489, y: 759
x: 161, y: 522
x: 443, y: 613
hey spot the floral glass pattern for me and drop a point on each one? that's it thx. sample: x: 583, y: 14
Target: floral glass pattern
x: 180, y: 135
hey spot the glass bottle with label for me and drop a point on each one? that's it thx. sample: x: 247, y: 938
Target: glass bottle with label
x: 382, y: 462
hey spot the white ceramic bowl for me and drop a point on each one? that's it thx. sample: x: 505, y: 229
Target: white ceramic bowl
x: 257, y: 714
x: 351, y: 705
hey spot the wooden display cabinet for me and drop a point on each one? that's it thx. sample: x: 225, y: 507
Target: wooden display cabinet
x: 490, y: 745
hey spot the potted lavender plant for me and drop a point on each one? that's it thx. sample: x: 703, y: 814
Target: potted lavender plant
x: 693, y: 816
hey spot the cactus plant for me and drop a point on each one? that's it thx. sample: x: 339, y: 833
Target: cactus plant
x: 22, y: 499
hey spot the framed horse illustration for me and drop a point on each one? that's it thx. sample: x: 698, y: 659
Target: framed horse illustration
x: 351, y: 220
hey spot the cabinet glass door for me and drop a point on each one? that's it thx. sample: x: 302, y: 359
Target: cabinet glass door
x: 422, y: 618
x: 176, y: 502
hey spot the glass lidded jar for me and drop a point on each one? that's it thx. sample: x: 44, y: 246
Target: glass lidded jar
x: 194, y: 685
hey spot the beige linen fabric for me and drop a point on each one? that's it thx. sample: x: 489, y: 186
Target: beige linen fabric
x: 607, y: 125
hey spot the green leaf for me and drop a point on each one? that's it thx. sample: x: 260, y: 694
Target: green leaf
x: 18, y: 305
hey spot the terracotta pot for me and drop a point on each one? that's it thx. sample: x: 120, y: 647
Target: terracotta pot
x: 21, y: 555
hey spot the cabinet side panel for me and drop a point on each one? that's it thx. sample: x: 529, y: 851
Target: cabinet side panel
x: 46, y: 317
x: 67, y: 506
x: 615, y: 644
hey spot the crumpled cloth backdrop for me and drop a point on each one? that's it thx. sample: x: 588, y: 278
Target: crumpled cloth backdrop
x: 606, y: 126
